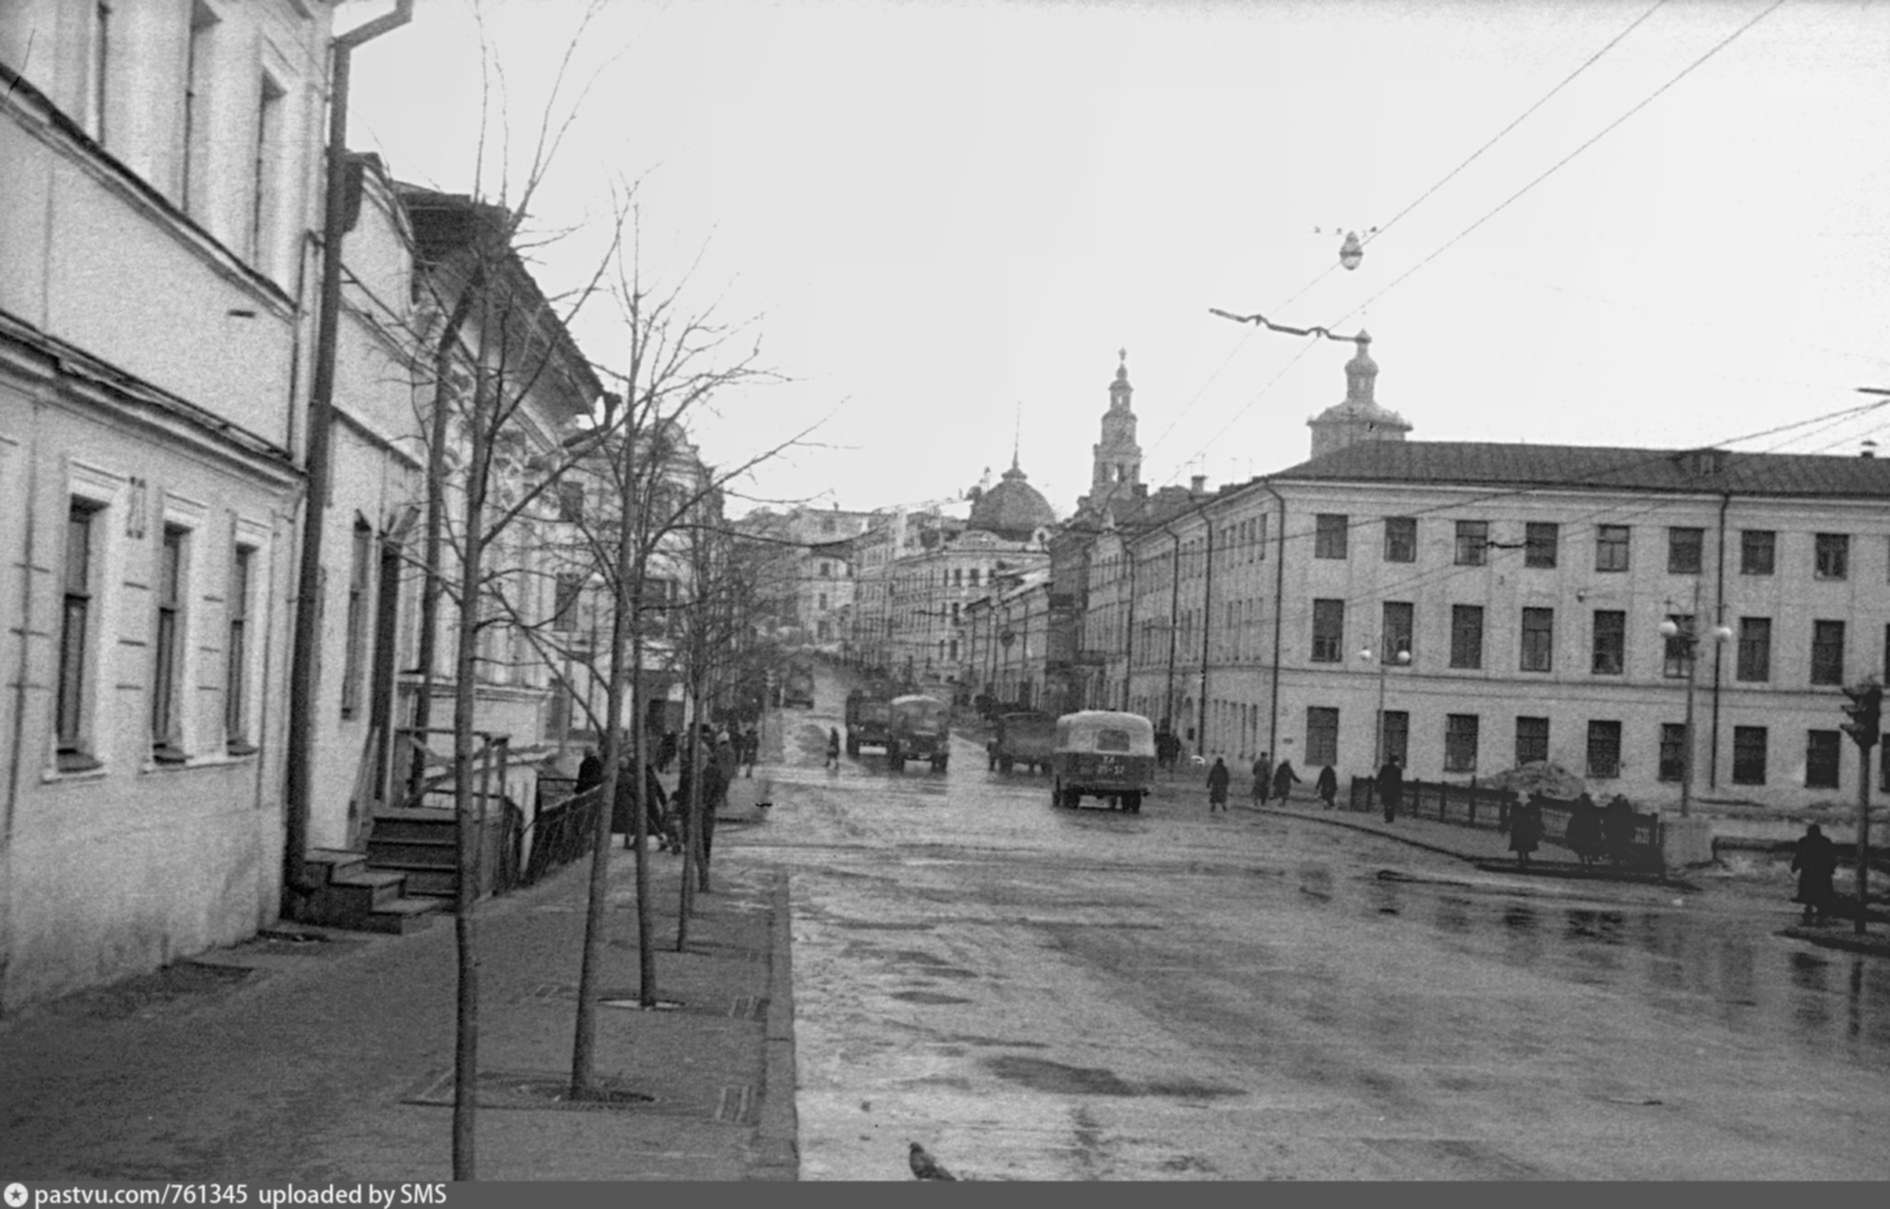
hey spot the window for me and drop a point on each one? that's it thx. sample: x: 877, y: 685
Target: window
x: 1328, y: 631
x: 826, y: 570
x: 570, y: 500
x: 1538, y: 640
x: 1540, y: 539
x: 1755, y: 649
x: 1748, y: 755
x: 355, y: 657
x: 262, y: 196
x: 1329, y: 535
x: 167, y: 647
x: 1833, y: 556
x: 1611, y: 547
x: 1399, y: 622
x: 194, y: 179
x: 1610, y: 655
x: 1532, y: 740
x: 1473, y: 543
x: 1827, y: 652
x: 1460, y: 743
x: 958, y: 575
x: 1604, y: 750
x: 1322, y: 735
x: 1401, y: 539
x: 1397, y: 737
x: 1685, y: 549
x: 236, y: 652
x: 974, y: 577
x: 1466, y: 636
x: 1677, y: 651
x: 1757, y: 548
x: 1822, y: 750
x: 71, y: 708
x: 1673, y: 751
x: 564, y: 603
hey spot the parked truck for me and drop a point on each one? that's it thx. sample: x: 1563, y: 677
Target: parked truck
x: 1027, y: 737
x: 920, y: 730
x: 869, y: 719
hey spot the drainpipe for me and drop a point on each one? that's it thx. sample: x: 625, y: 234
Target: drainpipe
x: 1174, y: 627
x: 1719, y: 653
x: 1207, y: 623
x: 1279, y: 601
x: 301, y: 737
x: 1128, y: 638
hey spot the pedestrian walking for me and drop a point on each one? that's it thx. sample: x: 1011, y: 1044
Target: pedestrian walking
x: 751, y: 747
x: 1217, y: 780
x: 1525, y: 829
x: 833, y: 747
x: 1584, y: 830
x: 1391, y: 788
x: 1814, y: 860
x: 666, y: 752
x: 1327, y: 786
x: 1262, y: 778
x: 1284, y: 778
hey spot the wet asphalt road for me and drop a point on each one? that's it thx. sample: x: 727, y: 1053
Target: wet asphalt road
x: 1036, y: 993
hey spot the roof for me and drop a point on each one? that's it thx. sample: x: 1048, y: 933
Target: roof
x: 1013, y: 509
x: 1681, y: 471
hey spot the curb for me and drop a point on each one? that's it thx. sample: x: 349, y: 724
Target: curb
x: 1847, y: 940
x: 1481, y: 861
x: 777, y: 1150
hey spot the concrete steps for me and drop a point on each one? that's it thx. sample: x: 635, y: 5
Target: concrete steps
x: 350, y: 893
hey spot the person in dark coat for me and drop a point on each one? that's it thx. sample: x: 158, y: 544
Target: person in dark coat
x: 1814, y: 860
x: 1327, y: 786
x: 833, y: 747
x: 714, y: 796
x: 590, y: 772
x: 1617, y: 830
x: 1525, y: 829
x: 1391, y: 788
x: 1217, y: 780
x: 666, y: 751
x: 751, y: 748
x: 1584, y: 829
x: 1284, y: 778
x: 1262, y: 778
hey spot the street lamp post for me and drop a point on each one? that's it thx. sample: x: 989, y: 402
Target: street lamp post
x: 1402, y: 659
x: 1688, y: 637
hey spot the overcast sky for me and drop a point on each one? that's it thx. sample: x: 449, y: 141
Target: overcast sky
x: 945, y: 218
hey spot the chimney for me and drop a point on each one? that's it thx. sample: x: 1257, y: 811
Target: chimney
x: 1197, y: 485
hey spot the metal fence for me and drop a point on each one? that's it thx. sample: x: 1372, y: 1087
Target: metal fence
x: 563, y: 830
x: 1474, y: 805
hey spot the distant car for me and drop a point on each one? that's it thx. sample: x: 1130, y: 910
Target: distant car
x: 1026, y: 737
x: 799, y: 687
x: 1105, y: 754
x: 920, y: 730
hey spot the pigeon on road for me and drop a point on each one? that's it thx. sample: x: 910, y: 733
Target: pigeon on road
x: 925, y: 1167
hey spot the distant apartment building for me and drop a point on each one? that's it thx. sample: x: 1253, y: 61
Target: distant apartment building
x: 1469, y: 606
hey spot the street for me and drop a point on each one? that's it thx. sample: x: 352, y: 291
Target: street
x: 1035, y: 993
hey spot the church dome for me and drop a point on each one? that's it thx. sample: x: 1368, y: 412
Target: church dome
x: 1013, y: 510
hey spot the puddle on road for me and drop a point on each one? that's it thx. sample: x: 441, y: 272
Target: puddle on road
x: 1057, y: 1078
x: 930, y: 997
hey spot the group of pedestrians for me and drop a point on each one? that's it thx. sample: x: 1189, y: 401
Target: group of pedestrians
x: 718, y: 756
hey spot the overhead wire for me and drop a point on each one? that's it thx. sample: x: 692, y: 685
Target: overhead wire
x: 1537, y: 180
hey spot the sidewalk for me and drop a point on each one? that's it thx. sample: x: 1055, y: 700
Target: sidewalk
x: 1488, y: 850
x: 321, y: 1056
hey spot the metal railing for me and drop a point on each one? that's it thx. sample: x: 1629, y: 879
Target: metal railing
x: 1475, y: 805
